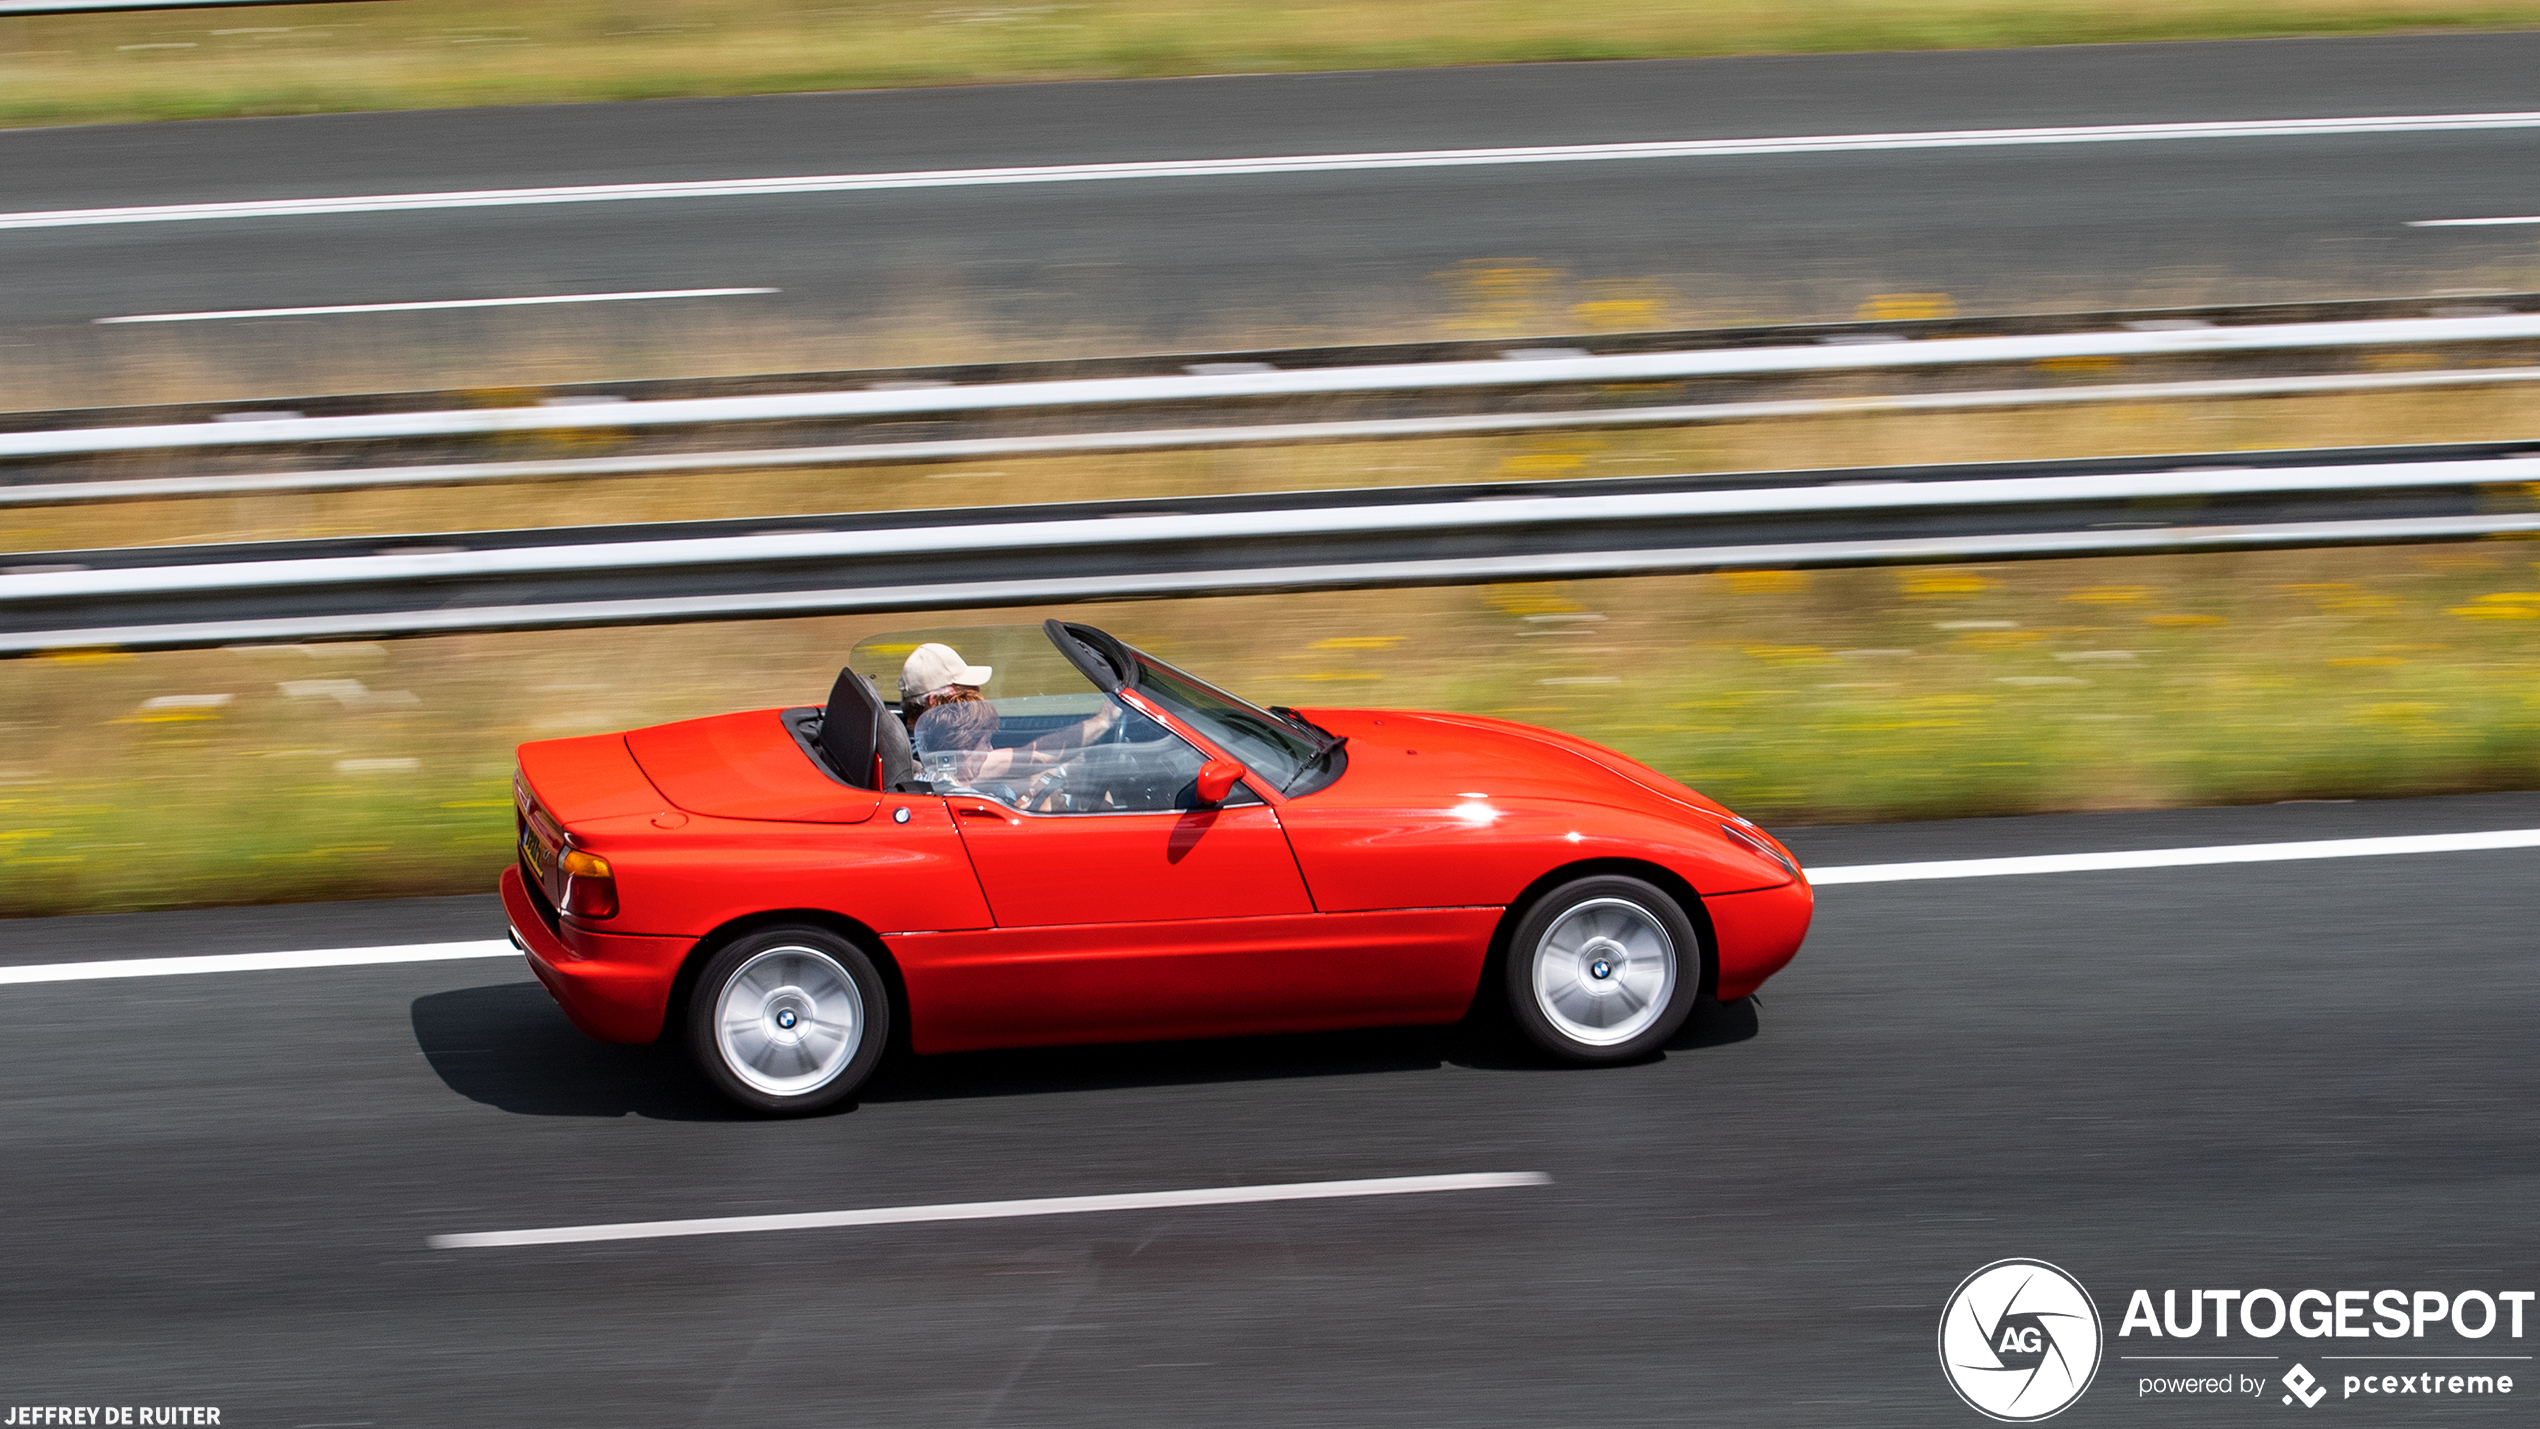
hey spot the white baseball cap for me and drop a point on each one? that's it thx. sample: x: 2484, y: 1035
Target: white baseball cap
x: 933, y: 666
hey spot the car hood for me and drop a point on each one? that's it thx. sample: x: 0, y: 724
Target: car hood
x: 745, y: 766
x: 1613, y: 762
x: 1396, y: 752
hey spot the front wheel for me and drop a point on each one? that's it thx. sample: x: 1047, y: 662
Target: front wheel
x: 1603, y: 970
x: 788, y: 1021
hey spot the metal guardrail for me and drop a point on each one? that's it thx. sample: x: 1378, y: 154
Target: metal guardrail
x: 175, y: 597
x: 1518, y: 370
x: 952, y: 449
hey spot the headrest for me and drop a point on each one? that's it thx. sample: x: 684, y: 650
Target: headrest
x: 851, y: 728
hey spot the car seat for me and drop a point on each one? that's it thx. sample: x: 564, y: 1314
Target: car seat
x: 865, y: 742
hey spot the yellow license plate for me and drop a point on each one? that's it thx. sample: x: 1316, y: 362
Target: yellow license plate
x: 535, y: 855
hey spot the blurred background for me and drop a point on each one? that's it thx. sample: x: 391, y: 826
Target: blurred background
x: 285, y: 770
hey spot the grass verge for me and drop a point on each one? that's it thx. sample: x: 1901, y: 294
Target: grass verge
x: 261, y: 775
x: 442, y: 53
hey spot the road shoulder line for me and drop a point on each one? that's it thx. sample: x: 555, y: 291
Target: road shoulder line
x: 2209, y: 855
x: 257, y: 962
x: 2212, y: 855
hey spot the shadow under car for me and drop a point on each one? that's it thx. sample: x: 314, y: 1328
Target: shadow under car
x: 509, y: 1046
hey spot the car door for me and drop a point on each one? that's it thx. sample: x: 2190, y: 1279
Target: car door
x: 1113, y: 834
x: 1123, y: 910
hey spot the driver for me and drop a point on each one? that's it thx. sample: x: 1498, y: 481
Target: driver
x: 939, y: 696
x: 935, y: 678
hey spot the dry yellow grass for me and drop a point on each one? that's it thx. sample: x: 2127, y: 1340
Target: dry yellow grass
x: 438, y: 53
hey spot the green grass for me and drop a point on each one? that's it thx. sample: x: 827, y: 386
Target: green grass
x: 439, y: 53
x: 1921, y: 693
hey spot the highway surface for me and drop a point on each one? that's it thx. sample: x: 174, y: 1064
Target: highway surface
x: 1202, y: 258
x: 218, y: 1187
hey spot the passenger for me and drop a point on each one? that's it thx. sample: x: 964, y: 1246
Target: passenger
x: 940, y: 697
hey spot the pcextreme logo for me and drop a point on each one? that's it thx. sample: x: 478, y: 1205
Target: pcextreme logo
x: 2019, y: 1340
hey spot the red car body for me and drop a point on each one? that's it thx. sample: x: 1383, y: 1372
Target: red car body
x: 1373, y: 900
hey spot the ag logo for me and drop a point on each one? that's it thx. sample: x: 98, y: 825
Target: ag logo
x: 2019, y: 1340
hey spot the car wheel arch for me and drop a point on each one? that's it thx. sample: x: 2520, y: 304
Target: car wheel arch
x: 684, y: 984
x: 1665, y: 879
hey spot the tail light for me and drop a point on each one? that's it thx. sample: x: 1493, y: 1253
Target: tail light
x: 590, y: 886
x: 1762, y: 845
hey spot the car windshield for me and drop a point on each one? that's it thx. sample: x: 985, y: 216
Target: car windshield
x: 1008, y: 716
x: 1282, y: 753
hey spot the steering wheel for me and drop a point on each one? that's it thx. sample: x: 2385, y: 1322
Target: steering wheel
x: 1046, y: 791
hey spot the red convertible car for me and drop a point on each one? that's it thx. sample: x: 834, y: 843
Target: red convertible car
x: 1077, y: 842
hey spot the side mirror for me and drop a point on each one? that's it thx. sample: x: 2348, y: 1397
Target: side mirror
x: 1217, y: 779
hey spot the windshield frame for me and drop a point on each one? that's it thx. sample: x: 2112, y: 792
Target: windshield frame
x: 1312, y: 757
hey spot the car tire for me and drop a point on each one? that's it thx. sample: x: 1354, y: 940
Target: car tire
x: 1603, y: 970
x: 789, y: 1021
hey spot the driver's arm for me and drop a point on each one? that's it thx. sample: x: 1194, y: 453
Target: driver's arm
x: 1058, y: 743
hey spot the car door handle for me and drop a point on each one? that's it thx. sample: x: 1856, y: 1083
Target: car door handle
x: 973, y: 811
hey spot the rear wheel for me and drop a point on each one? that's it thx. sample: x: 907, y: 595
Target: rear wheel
x: 1603, y: 969
x: 788, y: 1021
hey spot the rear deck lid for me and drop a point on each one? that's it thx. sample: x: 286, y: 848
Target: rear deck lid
x: 745, y: 766
x: 593, y: 777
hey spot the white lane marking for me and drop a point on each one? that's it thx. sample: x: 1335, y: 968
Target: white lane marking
x: 1280, y: 164
x: 257, y: 962
x: 2174, y: 857
x: 2470, y: 222
x: 439, y: 305
x: 996, y: 1210
x: 1820, y: 877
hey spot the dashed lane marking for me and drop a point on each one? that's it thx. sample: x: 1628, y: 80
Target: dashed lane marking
x: 996, y: 1210
x: 439, y: 305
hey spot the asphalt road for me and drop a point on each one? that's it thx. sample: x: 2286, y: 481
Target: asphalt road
x: 1241, y: 259
x: 2290, y: 1075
